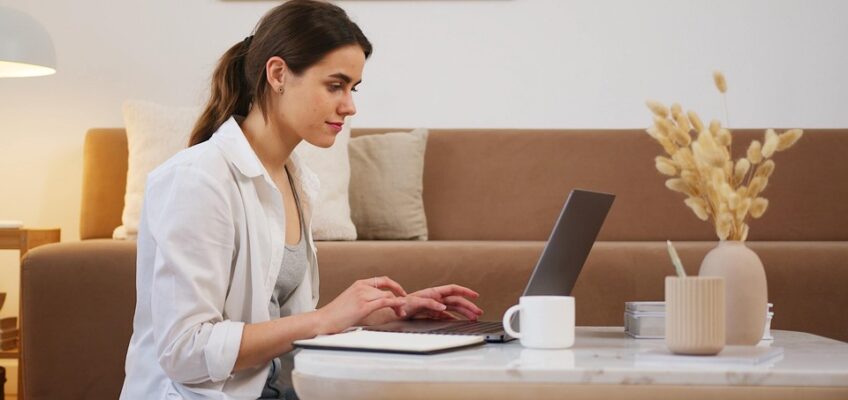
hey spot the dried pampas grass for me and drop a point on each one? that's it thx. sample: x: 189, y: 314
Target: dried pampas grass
x: 665, y: 165
x: 788, y: 139
x: 740, y: 171
x: 658, y: 109
x: 755, y: 153
x: 699, y: 166
x: 720, y: 82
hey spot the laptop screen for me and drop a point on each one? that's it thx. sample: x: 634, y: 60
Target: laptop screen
x: 571, y: 240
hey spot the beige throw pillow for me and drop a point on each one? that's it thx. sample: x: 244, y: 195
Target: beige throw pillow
x: 386, y: 185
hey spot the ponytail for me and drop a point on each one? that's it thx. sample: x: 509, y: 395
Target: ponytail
x: 230, y: 95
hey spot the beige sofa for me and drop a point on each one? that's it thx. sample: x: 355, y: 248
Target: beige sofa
x: 491, y: 198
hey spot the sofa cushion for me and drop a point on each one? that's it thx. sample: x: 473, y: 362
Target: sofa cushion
x: 386, y: 185
x: 511, y: 185
x: 78, y: 303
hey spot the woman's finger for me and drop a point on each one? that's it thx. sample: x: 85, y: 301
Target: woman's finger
x: 463, y: 302
x: 429, y: 293
x: 438, y: 315
x: 456, y: 290
x: 373, y: 294
x: 393, y: 302
x: 421, y: 303
x: 400, y: 311
x: 446, y: 316
x: 464, y: 311
x: 384, y: 282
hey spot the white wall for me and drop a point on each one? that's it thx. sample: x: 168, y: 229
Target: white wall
x: 498, y: 63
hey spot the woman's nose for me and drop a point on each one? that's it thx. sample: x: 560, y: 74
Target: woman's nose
x: 347, y: 107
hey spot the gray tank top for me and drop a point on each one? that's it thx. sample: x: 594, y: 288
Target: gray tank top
x: 292, y: 269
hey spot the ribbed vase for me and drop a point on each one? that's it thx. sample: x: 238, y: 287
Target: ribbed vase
x: 694, y: 314
x: 747, y: 291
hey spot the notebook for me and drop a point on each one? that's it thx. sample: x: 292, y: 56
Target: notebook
x: 390, y: 342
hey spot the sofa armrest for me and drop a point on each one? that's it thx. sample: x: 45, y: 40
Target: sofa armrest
x: 78, y: 300
x: 104, y: 181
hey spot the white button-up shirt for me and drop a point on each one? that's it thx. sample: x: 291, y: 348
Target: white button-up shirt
x: 210, y: 246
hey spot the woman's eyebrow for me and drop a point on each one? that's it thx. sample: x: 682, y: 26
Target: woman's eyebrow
x: 343, y: 77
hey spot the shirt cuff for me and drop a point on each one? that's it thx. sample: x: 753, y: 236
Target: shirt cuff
x: 222, y: 349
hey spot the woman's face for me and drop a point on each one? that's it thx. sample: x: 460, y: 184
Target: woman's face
x: 315, y: 104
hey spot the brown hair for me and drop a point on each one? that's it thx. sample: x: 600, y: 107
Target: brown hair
x: 301, y: 32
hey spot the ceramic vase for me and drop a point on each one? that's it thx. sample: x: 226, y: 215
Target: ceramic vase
x: 745, y: 289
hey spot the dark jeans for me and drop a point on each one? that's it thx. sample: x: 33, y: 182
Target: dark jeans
x: 273, y: 388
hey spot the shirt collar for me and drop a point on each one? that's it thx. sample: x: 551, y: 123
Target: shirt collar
x: 232, y: 142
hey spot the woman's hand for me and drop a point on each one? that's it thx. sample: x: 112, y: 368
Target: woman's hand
x: 432, y: 303
x: 363, y: 298
x: 422, y: 304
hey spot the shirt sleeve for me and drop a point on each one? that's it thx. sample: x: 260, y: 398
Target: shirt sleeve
x: 190, y: 221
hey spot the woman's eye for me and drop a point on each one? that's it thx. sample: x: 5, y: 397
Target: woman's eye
x: 334, y: 87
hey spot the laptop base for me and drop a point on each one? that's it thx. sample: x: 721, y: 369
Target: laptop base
x: 493, y: 331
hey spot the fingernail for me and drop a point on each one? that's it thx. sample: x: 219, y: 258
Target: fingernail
x: 402, y: 313
x: 443, y: 307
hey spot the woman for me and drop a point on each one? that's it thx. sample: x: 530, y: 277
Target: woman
x: 227, y: 275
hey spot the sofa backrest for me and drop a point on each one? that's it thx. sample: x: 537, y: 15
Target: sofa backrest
x: 484, y: 184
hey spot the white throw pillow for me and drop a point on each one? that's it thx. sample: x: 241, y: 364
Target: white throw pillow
x: 331, y: 213
x: 154, y: 133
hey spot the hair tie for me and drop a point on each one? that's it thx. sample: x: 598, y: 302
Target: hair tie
x: 247, y: 40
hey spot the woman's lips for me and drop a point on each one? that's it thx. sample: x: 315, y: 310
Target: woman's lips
x: 336, y: 126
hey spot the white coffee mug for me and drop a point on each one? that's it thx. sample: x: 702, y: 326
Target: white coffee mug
x: 546, y: 322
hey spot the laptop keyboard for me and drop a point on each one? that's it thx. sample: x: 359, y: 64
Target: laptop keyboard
x: 470, y: 328
x: 477, y: 328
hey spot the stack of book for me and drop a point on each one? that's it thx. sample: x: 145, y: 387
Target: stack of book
x: 8, y: 330
x: 646, y: 320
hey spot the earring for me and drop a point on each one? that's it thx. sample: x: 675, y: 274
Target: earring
x: 281, y: 90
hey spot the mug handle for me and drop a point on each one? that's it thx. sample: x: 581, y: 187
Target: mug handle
x: 506, y: 321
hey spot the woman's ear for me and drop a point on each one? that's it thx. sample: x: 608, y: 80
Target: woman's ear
x: 276, y: 71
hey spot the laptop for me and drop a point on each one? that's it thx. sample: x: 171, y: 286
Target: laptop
x: 555, y: 273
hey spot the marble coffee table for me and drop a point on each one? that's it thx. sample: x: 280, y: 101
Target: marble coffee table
x: 604, y: 363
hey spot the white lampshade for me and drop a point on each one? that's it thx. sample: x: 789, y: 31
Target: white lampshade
x: 25, y: 46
